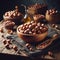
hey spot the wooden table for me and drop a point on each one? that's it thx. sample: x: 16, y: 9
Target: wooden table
x: 12, y: 54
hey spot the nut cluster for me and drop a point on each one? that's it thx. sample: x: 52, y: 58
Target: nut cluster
x: 8, y: 44
x: 32, y: 28
x: 9, y: 24
x: 37, y: 9
x: 12, y: 14
x: 52, y: 11
x: 37, y: 6
x: 38, y: 17
x: 29, y: 46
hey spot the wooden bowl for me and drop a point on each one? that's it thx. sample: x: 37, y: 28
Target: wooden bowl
x: 32, y: 38
x: 55, y: 18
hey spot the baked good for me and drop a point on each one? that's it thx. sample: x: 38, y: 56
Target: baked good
x: 8, y: 24
x: 14, y: 16
x: 32, y: 31
x: 52, y: 16
x: 38, y: 17
x: 37, y: 9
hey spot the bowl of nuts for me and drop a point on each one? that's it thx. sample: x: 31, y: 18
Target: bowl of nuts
x: 52, y: 16
x: 32, y: 31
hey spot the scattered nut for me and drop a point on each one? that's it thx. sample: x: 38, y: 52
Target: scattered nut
x: 8, y: 41
x: 33, y: 28
x: 31, y: 49
x: 50, y: 53
x: 15, y: 47
x: 2, y: 36
x: 9, y: 31
x: 55, y: 35
x: 7, y: 46
x: 27, y: 44
x: 53, y: 25
x: 4, y: 41
x: 1, y: 30
x: 56, y: 26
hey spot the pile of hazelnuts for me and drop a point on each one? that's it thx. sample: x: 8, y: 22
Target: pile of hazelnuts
x: 38, y: 17
x: 33, y: 28
x: 52, y: 11
x: 12, y: 14
x: 8, y: 44
x: 9, y: 24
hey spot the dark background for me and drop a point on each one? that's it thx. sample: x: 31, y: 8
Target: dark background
x: 6, y: 5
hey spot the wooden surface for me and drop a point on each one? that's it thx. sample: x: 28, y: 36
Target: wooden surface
x: 55, y: 48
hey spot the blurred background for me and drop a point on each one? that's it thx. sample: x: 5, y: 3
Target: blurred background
x: 6, y: 5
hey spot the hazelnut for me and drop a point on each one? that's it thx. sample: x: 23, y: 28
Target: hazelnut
x: 4, y: 41
x: 27, y: 45
x: 7, y: 46
x: 34, y: 33
x: 55, y: 35
x: 9, y: 31
x: 31, y: 49
x: 8, y: 41
x: 1, y: 30
x: 30, y: 32
x: 14, y: 14
x: 56, y: 26
x: 15, y: 47
x: 50, y: 53
x: 42, y: 25
x: 53, y: 25
x: 6, y: 14
x: 2, y: 36
x: 18, y: 14
x: 38, y: 24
